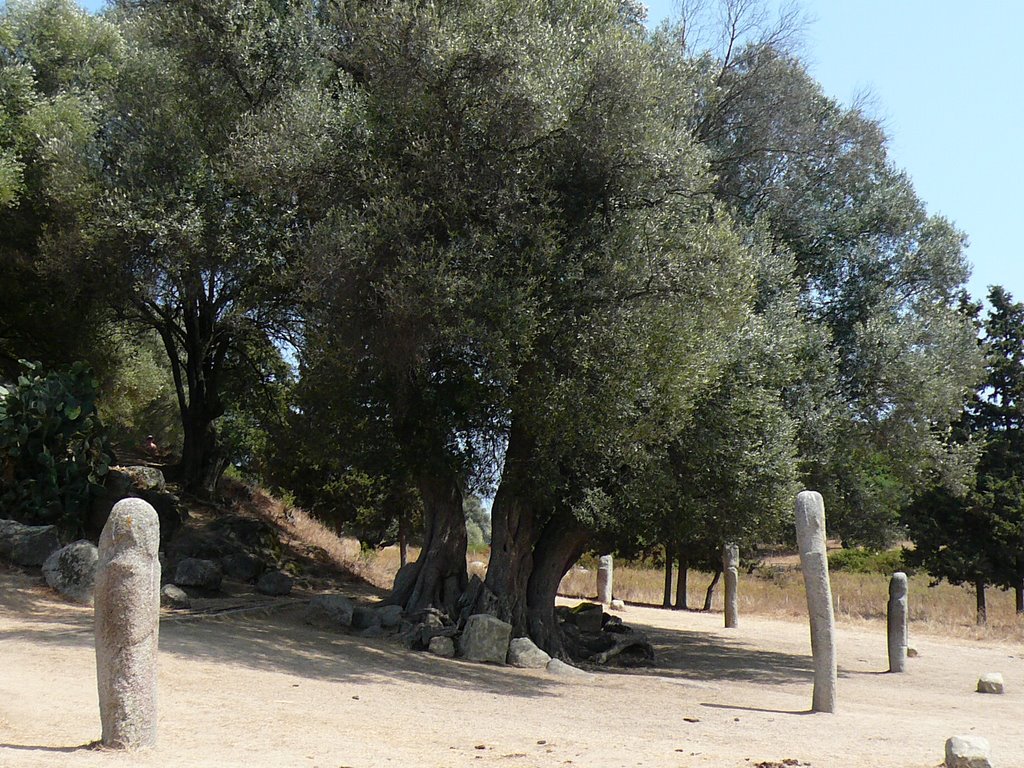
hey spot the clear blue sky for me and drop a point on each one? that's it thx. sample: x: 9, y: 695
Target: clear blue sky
x: 947, y: 83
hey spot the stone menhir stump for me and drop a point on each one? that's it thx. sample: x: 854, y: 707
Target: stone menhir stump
x: 730, y: 568
x: 810, y: 534
x: 127, y: 601
x: 896, y: 622
x: 604, y: 580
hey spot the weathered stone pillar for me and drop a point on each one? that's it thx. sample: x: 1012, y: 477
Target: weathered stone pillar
x: 604, y: 580
x: 896, y: 622
x: 730, y: 568
x: 810, y: 534
x: 127, y: 600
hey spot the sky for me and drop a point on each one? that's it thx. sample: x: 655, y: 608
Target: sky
x: 945, y: 81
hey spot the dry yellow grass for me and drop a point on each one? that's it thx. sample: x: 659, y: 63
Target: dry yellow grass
x: 776, y: 591
x: 859, y: 598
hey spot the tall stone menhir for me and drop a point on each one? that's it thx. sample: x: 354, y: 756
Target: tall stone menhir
x: 730, y: 567
x: 896, y: 622
x: 810, y: 534
x: 604, y: 579
x: 127, y: 601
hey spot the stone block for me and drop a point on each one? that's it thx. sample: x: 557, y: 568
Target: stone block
x: 485, y: 638
x: 72, y: 571
x: 990, y: 682
x: 329, y: 612
x: 967, y: 752
x: 522, y: 652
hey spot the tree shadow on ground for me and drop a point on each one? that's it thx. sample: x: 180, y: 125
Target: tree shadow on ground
x: 703, y: 656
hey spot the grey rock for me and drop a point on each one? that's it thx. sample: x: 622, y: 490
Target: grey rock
x: 241, y: 566
x: 329, y: 612
x: 605, y: 571
x: 589, y: 617
x: 485, y: 638
x: 990, y: 682
x: 390, y: 616
x: 442, y: 646
x: 561, y: 669
x: 810, y: 534
x: 375, y: 631
x: 193, y: 572
x: 174, y: 597
x: 364, y: 617
x: 127, y: 625
x: 522, y: 652
x: 72, y: 570
x: 276, y: 583
x: 138, y: 477
x: 28, y: 545
x: 618, y: 605
x: 967, y: 752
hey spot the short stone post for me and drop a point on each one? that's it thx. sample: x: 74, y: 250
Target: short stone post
x: 896, y: 622
x: 810, y: 534
x: 127, y: 601
x: 604, y: 580
x: 730, y: 567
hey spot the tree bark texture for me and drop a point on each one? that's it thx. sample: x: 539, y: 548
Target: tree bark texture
x: 979, y: 593
x: 681, y: 579
x: 441, y: 576
x: 709, y: 596
x: 560, y: 545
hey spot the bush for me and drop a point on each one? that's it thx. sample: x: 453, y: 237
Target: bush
x: 860, y: 560
x: 53, y: 449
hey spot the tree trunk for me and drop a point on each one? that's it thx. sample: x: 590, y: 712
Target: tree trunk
x: 681, y: 576
x: 666, y: 601
x: 710, y: 594
x: 559, y: 546
x: 403, y: 539
x: 1018, y: 597
x: 440, y: 577
x: 979, y: 591
x: 202, y: 457
x: 514, y: 532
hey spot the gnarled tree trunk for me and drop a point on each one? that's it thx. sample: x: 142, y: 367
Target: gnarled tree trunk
x: 979, y: 594
x: 559, y: 546
x: 710, y: 594
x: 684, y: 567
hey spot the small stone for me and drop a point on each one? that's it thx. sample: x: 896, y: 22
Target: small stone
x: 523, y: 653
x: 241, y: 566
x: 618, y: 605
x: 967, y: 752
x: 275, y: 583
x: 990, y: 682
x: 174, y: 596
x: 561, y: 669
x: 390, y: 616
x: 442, y: 646
x: 329, y: 612
x: 193, y: 572
x: 364, y: 617
x: 72, y: 570
x: 28, y: 545
x: 485, y: 638
x: 912, y: 653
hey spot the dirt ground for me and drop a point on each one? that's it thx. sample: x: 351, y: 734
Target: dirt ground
x: 266, y: 690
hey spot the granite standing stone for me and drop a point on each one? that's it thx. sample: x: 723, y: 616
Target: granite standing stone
x: 127, y: 600
x: 810, y: 533
x: 896, y: 622
x: 730, y: 568
x: 604, y: 580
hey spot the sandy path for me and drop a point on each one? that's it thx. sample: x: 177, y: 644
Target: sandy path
x: 272, y: 692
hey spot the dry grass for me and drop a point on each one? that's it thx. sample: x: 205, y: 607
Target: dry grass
x: 776, y: 590
x: 859, y: 598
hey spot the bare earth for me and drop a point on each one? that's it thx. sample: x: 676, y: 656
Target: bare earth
x: 266, y: 690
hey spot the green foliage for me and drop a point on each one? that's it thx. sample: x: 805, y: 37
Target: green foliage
x: 861, y: 560
x: 53, y: 450
x: 478, y: 524
x: 976, y: 533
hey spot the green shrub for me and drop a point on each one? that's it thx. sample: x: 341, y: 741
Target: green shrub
x: 53, y: 451
x: 860, y: 560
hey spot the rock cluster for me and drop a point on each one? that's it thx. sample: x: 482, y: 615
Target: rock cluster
x: 28, y: 545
